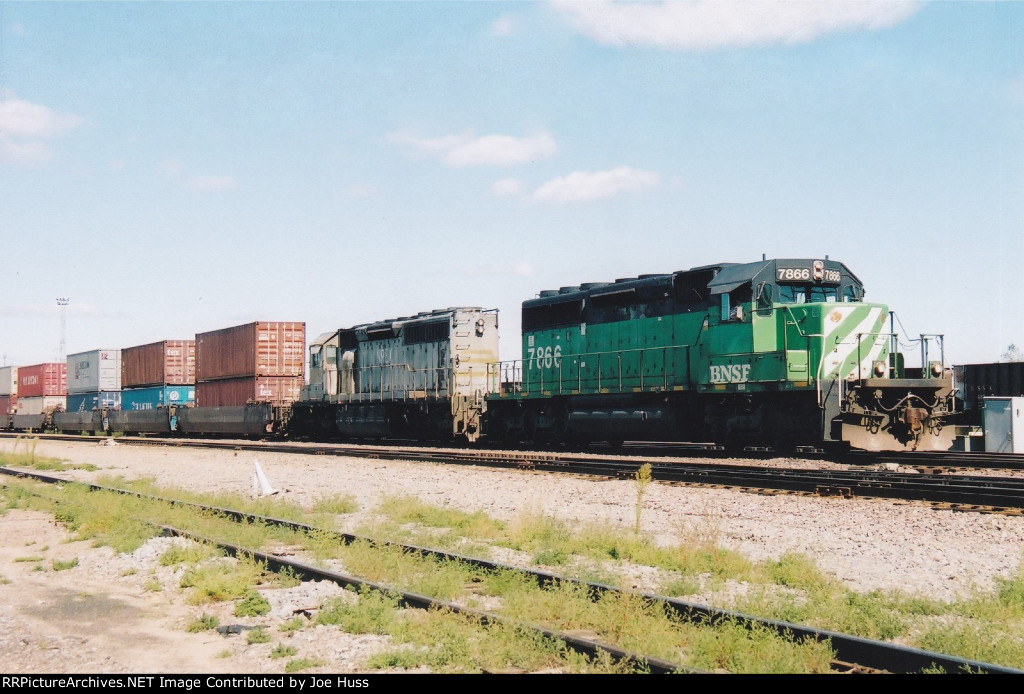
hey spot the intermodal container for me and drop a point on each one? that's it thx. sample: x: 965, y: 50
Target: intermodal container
x: 94, y: 371
x: 980, y: 381
x: 8, y: 404
x: 40, y: 404
x: 263, y: 348
x: 167, y: 363
x: 9, y: 380
x: 87, y: 402
x: 234, y: 392
x: 39, y: 380
x: 157, y: 397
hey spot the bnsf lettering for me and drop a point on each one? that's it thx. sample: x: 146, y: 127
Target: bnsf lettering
x: 730, y: 373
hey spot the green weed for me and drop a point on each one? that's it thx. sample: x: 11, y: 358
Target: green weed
x: 206, y: 622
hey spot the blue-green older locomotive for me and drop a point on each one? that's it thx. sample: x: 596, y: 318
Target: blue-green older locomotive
x: 778, y: 352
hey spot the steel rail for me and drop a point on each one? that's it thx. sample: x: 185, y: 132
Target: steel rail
x: 589, y: 647
x: 850, y: 651
x: 963, y: 492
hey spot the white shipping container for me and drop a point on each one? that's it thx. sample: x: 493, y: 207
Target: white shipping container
x: 1004, y: 425
x: 39, y: 405
x: 90, y: 372
x: 9, y: 380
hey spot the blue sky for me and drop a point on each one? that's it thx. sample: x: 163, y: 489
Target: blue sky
x: 174, y: 168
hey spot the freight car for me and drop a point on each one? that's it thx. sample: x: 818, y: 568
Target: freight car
x: 780, y: 352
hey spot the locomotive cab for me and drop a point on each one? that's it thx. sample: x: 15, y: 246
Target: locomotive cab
x: 810, y: 316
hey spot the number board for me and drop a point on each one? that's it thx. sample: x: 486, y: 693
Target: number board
x: 816, y: 273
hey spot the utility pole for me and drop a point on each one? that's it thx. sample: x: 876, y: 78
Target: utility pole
x: 63, y: 302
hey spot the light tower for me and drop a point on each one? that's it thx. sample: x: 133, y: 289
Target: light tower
x: 63, y: 302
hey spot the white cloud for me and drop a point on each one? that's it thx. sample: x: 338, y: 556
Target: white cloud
x: 25, y: 127
x: 584, y: 186
x: 470, y: 150
x: 709, y: 24
x: 507, y: 187
x: 23, y: 119
x: 210, y: 183
x: 503, y: 26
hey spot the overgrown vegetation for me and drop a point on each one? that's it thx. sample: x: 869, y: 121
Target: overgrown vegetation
x: 252, y: 605
x: 986, y: 626
x: 258, y: 635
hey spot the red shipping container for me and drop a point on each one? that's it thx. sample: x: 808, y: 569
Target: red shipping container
x: 167, y: 363
x: 40, y: 380
x: 233, y: 392
x: 8, y: 404
x: 263, y: 348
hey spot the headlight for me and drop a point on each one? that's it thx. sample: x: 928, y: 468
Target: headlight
x: 879, y: 369
x: 936, y: 369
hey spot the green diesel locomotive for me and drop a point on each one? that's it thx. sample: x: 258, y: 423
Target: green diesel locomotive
x: 781, y: 352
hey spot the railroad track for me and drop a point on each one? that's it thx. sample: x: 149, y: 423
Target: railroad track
x: 986, y: 494
x: 852, y: 653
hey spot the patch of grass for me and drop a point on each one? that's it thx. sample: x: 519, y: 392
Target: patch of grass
x: 4, y: 580
x: 282, y: 651
x: 207, y: 622
x: 152, y: 586
x: 338, y: 504
x: 296, y: 623
x: 187, y: 553
x: 28, y: 559
x: 403, y: 658
x: 60, y: 466
x: 372, y: 613
x: 130, y: 571
x: 221, y: 580
x: 59, y: 565
x: 252, y: 605
x: 405, y: 509
x: 226, y: 653
x: 686, y: 585
x: 257, y: 636
x: 302, y: 664
x: 434, y: 577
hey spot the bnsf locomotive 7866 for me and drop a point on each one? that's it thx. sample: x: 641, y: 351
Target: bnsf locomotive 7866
x: 778, y: 352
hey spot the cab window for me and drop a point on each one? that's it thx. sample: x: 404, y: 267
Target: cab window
x: 807, y: 294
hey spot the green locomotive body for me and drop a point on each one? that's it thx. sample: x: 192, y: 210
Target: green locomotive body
x: 778, y: 352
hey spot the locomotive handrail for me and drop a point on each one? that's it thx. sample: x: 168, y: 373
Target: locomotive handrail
x: 860, y: 343
x: 499, y: 384
x: 433, y: 389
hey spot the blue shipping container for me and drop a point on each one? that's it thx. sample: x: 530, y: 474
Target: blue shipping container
x: 158, y: 396
x: 87, y: 402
